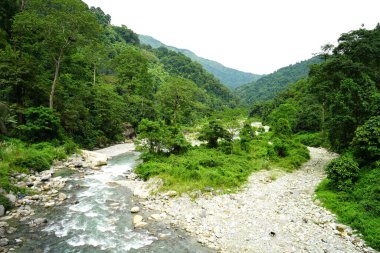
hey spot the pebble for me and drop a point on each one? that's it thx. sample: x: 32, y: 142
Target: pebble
x: 135, y: 209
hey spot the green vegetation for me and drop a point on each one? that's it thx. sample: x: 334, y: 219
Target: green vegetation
x: 337, y: 106
x: 359, y: 206
x: 268, y: 86
x: 221, y: 163
x: 232, y: 78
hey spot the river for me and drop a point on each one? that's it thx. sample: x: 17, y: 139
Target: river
x: 97, y: 218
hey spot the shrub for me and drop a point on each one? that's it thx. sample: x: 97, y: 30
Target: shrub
x: 282, y: 128
x: 343, y: 172
x: 310, y: 139
x: 367, y: 140
x: 281, y: 147
x: 42, y: 124
x: 37, y: 161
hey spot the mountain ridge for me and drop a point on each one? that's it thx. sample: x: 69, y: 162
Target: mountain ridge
x: 230, y: 77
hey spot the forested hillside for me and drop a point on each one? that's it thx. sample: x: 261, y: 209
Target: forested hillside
x: 66, y: 72
x: 270, y: 85
x: 338, y: 106
x: 232, y: 78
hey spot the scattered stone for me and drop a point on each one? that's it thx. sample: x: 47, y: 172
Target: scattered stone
x: 137, y: 219
x: 135, y: 209
x: 46, y: 178
x: 40, y: 221
x: 49, y: 204
x: 11, y: 230
x: 12, y: 198
x: 4, y: 242
x: 171, y: 194
x: 163, y: 236
x: 62, y: 196
x: 341, y: 227
x: 140, y: 224
x: 156, y: 216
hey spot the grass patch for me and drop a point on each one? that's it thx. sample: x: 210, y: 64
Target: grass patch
x: 224, y: 168
x: 359, y: 207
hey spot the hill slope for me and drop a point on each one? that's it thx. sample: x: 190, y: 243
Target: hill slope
x: 232, y: 78
x: 270, y: 85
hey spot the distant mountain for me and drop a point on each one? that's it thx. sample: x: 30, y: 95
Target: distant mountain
x: 270, y: 85
x: 232, y: 78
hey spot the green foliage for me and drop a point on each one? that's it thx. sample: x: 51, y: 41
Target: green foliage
x: 177, y: 64
x: 281, y: 128
x: 42, y: 124
x: 247, y: 133
x: 212, y: 132
x: 17, y: 156
x: 343, y: 173
x: 179, y: 99
x: 310, y: 139
x: 269, y: 86
x: 156, y: 137
x: 358, y: 208
x: 367, y: 140
x: 199, y: 168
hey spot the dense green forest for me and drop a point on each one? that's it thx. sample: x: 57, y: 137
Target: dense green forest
x: 69, y: 79
x: 232, y: 78
x: 66, y: 72
x: 338, y: 106
x: 267, y: 87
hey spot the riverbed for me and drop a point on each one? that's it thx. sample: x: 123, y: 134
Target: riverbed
x: 96, y: 216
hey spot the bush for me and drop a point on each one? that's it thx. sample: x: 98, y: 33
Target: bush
x: 42, y: 124
x: 343, y: 172
x: 282, y: 128
x: 310, y: 139
x: 36, y: 161
x: 367, y: 140
x: 280, y: 147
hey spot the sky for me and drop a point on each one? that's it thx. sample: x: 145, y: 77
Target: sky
x: 257, y: 36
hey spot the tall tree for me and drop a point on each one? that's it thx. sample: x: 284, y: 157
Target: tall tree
x: 60, y: 27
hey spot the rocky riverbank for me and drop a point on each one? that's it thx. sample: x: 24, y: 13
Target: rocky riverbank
x: 45, y: 191
x: 275, y: 212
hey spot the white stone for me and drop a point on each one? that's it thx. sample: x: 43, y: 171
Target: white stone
x: 137, y: 219
x: 141, y: 224
x: 135, y: 209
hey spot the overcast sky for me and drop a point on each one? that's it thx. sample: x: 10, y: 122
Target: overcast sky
x: 257, y: 36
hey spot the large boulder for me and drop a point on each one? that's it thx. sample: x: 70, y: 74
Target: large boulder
x: 94, y: 159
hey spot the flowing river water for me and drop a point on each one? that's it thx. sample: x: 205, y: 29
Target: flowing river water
x: 97, y: 218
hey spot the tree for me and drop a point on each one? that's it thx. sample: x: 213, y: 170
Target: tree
x: 177, y: 99
x: 212, y: 132
x: 56, y: 27
x: 247, y: 133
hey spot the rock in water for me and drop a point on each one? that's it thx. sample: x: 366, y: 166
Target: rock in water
x: 135, y: 209
x: 4, y: 242
x: 62, y: 196
x: 141, y: 225
x: 137, y: 219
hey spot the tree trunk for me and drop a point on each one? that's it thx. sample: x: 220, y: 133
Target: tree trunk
x: 54, y: 85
